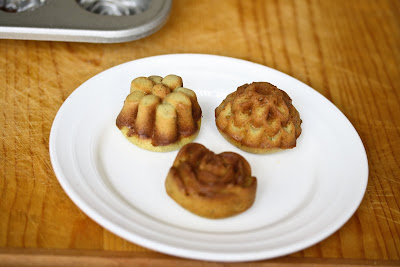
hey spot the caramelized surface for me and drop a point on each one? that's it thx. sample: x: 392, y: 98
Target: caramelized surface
x: 160, y: 110
x: 211, y: 185
x: 259, y: 118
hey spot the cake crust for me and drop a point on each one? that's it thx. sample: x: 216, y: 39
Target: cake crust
x: 160, y: 114
x: 147, y: 143
x: 210, y: 185
x: 259, y: 118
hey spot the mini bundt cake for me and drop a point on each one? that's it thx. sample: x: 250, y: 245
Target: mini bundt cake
x: 159, y: 114
x: 259, y: 118
x: 210, y: 185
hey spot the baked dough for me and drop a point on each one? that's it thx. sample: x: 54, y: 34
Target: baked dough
x: 159, y: 114
x: 210, y: 185
x: 259, y: 118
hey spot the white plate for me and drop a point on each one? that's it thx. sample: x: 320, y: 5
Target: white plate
x: 303, y: 196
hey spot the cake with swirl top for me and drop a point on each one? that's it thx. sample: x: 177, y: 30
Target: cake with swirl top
x: 159, y: 114
x: 259, y: 118
x: 211, y: 185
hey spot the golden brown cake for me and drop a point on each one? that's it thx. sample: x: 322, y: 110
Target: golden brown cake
x: 159, y: 114
x: 259, y: 118
x: 210, y: 185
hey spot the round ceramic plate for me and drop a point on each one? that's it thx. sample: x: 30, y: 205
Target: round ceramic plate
x: 303, y: 196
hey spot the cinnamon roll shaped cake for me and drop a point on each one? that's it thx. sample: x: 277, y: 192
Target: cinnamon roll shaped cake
x: 211, y: 185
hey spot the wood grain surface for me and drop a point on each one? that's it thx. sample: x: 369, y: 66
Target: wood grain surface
x: 348, y: 50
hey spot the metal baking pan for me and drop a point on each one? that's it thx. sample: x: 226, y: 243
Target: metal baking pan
x: 95, y: 21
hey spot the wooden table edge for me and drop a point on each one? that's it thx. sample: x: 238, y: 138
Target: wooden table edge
x: 78, y: 257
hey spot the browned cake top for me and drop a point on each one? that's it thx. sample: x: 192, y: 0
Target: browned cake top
x: 201, y: 172
x: 259, y: 115
x: 160, y: 109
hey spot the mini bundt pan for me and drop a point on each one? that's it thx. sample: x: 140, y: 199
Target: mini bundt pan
x: 259, y: 118
x: 211, y: 185
x: 159, y: 114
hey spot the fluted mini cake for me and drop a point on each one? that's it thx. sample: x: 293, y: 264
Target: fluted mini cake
x: 159, y: 114
x: 210, y: 185
x: 259, y: 118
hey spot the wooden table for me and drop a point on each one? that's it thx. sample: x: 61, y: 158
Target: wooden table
x: 346, y: 50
